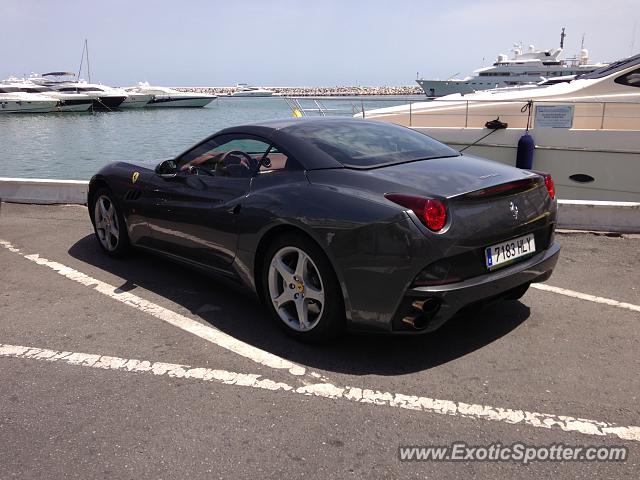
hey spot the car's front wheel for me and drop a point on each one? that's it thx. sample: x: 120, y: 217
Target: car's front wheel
x: 301, y: 290
x: 108, y: 223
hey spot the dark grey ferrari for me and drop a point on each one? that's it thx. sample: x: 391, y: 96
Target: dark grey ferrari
x: 337, y: 222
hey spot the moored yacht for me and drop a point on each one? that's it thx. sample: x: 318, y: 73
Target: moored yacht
x: 586, y: 132
x: 244, y: 90
x: 168, y: 97
x: 67, y: 102
x: 12, y: 100
x: 107, y: 98
x: 524, y: 68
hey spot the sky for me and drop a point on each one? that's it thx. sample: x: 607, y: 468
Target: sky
x: 298, y: 42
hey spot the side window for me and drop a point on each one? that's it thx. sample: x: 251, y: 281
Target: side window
x: 225, y: 155
x: 631, y: 79
x: 234, y: 156
x: 275, y: 160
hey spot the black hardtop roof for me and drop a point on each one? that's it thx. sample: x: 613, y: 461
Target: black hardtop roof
x: 284, y: 123
x: 280, y: 131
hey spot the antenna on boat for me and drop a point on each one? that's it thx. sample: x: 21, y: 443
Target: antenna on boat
x: 582, y: 44
x: 562, y: 35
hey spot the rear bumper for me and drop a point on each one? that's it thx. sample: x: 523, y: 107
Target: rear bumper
x: 456, y: 296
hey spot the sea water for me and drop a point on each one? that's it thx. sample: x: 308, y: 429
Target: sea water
x: 75, y: 145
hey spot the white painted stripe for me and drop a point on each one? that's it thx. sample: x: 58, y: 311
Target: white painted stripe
x: 330, y: 391
x: 205, y: 332
x: 586, y: 296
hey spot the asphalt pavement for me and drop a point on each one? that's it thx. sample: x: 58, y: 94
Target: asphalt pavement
x: 140, y: 368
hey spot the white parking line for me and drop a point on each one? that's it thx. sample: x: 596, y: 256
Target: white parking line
x: 205, y: 332
x: 586, y: 296
x: 330, y: 391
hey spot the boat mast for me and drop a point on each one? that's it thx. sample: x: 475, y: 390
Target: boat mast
x: 81, y: 62
x: 562, y: 35
x: 86, y: 48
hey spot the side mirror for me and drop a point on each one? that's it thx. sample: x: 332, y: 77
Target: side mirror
x: 167, y: 169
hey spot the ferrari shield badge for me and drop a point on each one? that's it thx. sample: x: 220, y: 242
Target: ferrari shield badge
x: 134, y: 177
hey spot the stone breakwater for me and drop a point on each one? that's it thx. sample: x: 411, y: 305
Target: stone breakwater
x: 315, y: 91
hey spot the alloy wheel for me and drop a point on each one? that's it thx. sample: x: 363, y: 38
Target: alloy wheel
x: 296, y: 289
x: 106, y: 222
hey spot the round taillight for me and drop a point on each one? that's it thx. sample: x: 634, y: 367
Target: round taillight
x: 434, y: 214
x: 430, y: 211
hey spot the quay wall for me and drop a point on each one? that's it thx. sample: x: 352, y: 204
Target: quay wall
x: 618, y: 217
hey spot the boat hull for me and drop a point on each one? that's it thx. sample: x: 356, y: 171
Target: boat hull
x: 252, y: 94
x: 440, y: 88
x: 108, y: 102
x: 584, y: 164
x: 75, y: 105
x: 182, y: 102
x: 136, y: 101
x: 25, y: 106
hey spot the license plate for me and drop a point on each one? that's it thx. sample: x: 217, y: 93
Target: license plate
x: 506, y: 252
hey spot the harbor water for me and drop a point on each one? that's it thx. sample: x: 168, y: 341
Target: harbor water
x: 75, y: 145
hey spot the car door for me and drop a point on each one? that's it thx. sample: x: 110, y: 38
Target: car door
x: 197, y: 208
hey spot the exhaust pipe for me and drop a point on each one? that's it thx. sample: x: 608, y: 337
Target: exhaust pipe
x: 417, y: 322
x: 429, y: 306
x: 426, y: 309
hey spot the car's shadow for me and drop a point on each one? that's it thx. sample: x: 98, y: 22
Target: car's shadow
x: 245, y: 319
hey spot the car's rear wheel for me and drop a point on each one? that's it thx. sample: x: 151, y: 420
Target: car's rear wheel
x: 301, y: 290
x: 108, y: 223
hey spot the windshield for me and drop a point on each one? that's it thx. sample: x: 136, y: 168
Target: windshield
x: 362, y: 144
x: 612, y: 68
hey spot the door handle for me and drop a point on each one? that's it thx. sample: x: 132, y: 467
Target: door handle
x: 235, y: 209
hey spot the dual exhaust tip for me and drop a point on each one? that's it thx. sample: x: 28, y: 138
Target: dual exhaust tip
x: 425, y: 310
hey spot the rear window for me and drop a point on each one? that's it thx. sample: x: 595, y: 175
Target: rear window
x: 369, y: 144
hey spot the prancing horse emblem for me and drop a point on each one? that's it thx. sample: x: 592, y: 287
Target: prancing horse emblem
x: 514, y: 210
x: 134, y: 177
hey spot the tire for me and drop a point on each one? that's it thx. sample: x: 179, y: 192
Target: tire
x: 105, y: 227
x: 298, y: 280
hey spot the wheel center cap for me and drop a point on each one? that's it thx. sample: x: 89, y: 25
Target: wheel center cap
x: 300, y: 287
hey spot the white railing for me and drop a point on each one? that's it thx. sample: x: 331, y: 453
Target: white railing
x: 590, y: 114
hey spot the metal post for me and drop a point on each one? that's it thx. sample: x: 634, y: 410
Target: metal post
x: 410, y: 112
x: 466, y: 115
x: 604, y: 107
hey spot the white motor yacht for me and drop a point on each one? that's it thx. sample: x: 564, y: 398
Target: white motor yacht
x: 168, y: 97
x: 12, y: 100
x: 586, y: 132
x: 524, y: 68
x: 107, y: 98
x: 67, y: 102
x: 244, y: 90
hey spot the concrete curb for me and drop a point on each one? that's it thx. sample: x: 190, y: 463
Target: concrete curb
x: 619, y: 217
x: 43, y: 191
